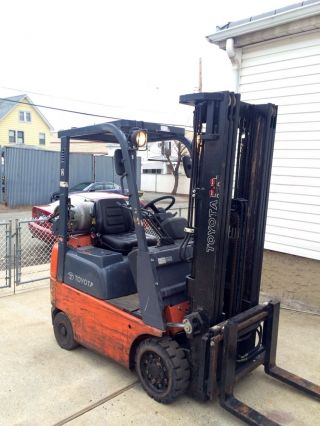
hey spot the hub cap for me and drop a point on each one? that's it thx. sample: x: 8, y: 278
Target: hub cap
x: 62, y: 330
x: 154, y: 372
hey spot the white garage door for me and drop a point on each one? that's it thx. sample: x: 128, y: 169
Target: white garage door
x: 287, y: 72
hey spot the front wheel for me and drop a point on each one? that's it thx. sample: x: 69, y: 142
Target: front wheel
x: 163, y: 369
x: 63, y: 332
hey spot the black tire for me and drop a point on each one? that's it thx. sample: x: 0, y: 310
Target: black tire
x: 63, y: 332
x: 163, y: 369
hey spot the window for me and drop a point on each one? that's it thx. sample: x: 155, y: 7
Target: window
x: 107, y: 186
x: 20, y: 137
x: 98, y: 187
x: 12, y: 136
x: 80, y: 186
x: 25, y: 116
x: 42, y: 138
x: 152, y: 171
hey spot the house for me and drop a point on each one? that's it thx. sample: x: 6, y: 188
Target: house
x: 80, y: 146
x: 21, y: 123
x: 276, y: 58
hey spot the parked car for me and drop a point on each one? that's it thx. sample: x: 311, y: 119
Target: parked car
x: 40, y: 226
x: 90, y: 187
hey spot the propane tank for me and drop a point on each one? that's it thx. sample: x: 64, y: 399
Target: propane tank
x: 80, y: 214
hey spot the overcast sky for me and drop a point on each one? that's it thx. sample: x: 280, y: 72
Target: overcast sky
x: 124, y: 58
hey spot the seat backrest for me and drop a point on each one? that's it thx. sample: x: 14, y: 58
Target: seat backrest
x: 174, y: 227
x: 112, y: 216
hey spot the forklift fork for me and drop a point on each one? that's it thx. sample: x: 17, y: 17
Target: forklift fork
x: 265, y: 355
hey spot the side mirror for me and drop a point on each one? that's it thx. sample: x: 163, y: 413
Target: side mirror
x: 187, y: 165
x: 118, y: 162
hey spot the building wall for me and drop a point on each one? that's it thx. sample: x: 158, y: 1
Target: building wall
x: 30, y: 176
x: 293, y: 280
x: 31, y: 129
x: 164, y: 183
x: 287, y: 72
x: 83, y: 147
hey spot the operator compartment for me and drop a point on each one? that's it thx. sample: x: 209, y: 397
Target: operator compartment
x: 114, y: 226
x: 101, y: 273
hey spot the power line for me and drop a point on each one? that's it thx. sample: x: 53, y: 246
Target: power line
x: 81, y: 112
x: 49, y: 95
x: 59, y: 109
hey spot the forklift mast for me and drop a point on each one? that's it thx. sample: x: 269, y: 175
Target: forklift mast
x: 229, y: 188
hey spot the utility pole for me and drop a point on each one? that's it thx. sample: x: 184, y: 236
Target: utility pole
x: 200, y: 75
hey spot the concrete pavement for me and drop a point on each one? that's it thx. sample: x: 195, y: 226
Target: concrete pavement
x: 21, y: 213
x: 41, y: 384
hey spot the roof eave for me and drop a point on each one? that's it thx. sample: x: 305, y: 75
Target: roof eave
x: 40, y: 113
x: 15, y: 104
x: 263, y: 23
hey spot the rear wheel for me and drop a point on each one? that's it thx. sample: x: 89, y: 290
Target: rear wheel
x: 163, y: 369
x: 63, y: 332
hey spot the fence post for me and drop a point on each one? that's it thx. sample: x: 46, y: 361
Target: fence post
x: 17, y: 254
x: 8, y: 255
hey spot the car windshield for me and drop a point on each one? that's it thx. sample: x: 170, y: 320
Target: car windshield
x: 80, y: 186
x: 110, y: 185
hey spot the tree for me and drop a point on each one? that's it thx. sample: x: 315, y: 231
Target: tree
x: 173, y: 152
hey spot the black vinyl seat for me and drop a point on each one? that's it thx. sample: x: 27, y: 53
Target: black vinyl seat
x: 120, y: 242
x: 114, y: 226
x: 174, y: 227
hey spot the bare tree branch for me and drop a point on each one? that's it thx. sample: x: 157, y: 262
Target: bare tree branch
x: 178, y: 151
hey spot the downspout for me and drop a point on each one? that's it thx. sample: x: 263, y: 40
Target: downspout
x: 235, y: 57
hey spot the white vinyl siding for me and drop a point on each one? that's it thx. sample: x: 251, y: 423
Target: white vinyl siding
x: 287, y: 72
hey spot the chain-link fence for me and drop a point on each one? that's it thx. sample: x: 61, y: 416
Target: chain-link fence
x: 153, y: 228
x: 33, y: 245
x: 25, y: 251
x: 5, y: 254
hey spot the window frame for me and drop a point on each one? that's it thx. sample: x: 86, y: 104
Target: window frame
x: 15, y: 136
x: 25, y: 114
x: 44, y: 138
x: 152, y: 171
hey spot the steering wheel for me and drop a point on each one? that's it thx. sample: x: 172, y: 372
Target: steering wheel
x: 152, y: 203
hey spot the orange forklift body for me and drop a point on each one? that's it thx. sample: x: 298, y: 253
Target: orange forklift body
x: 99, y: 325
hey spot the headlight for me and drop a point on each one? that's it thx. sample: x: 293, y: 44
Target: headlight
x: 139, y: 138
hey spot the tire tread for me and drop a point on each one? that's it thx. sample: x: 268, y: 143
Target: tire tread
x: 179, y: 362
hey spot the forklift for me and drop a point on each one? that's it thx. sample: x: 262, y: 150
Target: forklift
x: 175, y: 299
